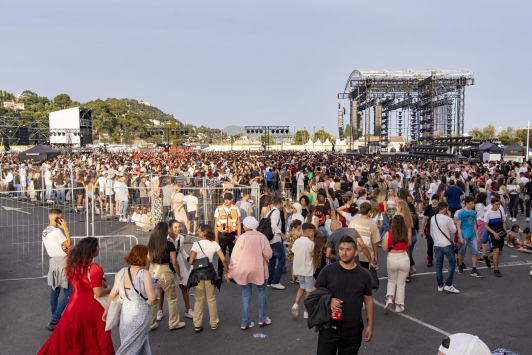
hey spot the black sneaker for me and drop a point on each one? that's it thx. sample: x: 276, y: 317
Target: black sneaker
x: 475, y: 273
x: 50, y: 326
x: 481, y: 260
x: 408, y: 278
x: 488, y: 262
x: 460, y: 270
x: 464, y: 266
x: 198, y: 329
x: 214, y: 328
x: 497, y: 273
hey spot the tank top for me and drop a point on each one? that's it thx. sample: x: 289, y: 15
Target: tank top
x: 399, y: 246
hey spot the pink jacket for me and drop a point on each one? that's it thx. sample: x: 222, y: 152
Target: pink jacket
x: 249, y: 259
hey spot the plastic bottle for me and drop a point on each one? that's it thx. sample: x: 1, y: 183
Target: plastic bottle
x: 155, y: 282
x: 259, y: 335
x: 336, y: 319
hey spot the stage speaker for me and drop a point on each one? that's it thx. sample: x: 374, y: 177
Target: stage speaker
x: 22, y: 136
x: 377, y: 124
x: 341, y: 123
x: 360, y: 125
x: 354, y: 121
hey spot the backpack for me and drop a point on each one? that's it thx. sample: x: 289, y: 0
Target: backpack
x: 265, y: 226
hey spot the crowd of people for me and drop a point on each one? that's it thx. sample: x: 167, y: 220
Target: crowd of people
x: 325, y: 214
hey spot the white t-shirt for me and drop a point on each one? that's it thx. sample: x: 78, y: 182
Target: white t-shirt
x: 191, y: 202
x: 209, y: 249
x: 377, y: 219
x: 52, y: 239
x: 48, y: 178
x: 302, y: 250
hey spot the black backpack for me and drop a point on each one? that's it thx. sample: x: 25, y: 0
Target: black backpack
x: 265, y: 226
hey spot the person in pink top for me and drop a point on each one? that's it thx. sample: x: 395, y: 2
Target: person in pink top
x: 249, y: 266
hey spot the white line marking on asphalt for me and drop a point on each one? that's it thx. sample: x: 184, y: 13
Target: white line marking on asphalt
x: 417, y: 321
x: 505, y: 264
x: 14, y: 209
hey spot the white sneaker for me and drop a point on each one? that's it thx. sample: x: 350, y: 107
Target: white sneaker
x: 160, y: 315
x: 388, y: 306
x: 514, y: 220
x: 528, y: 219
x: 399, y: 308
x: 440, y: 288
x: 154, y: 327
x: 451, y: 289
x: 305, y: 315
x: 189, y: 314
x: 278, y: 286
x: 179, y: 325
x: 295, y: 310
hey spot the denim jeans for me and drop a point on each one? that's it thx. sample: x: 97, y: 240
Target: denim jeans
x: 411, y: 251
x: 59, y: 306
x: 123, y: 208
x: 385, y: 227
x: 246, y: 301
x: 60, y: 194
x: 323, y: 231
x: 450, y: 255
x: 279, y: 256
x: 18, y: 189
x: 166, y: 210
x: 48, y: 192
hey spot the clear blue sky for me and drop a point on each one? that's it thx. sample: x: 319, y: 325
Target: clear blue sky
x: 218, y: 63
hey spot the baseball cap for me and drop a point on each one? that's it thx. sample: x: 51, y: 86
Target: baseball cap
x: 465, y: 344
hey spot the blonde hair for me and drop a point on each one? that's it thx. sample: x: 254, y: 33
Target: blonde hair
x: 375, y: 210
x: 403, y: 210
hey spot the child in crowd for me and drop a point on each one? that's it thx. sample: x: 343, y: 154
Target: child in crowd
x: 303, y: 264
x: 512, y: 237
x: 295, y: 233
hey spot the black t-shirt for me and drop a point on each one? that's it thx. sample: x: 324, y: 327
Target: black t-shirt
x: 344, y: 186
x: 429, y: 212
x: 166, y: 256
x: 528, y: 187
x: 322, y: 212
x: 349, y: 286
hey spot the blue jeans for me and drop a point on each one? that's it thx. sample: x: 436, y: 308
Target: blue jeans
x: 246, y: 301
x: 449, y: 254
x: 279, y: 256
x: 323, y: 231
x: 48, y: 195
x: 385, y: 227
x: 60, y: 194
x: 18, y: 189
x: 123, y: 208
x: 59, y: 306
x: 411, y: 251
x: 167, y: 210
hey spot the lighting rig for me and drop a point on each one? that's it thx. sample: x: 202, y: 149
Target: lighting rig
x: 268, y: 131
x: 168, y: 133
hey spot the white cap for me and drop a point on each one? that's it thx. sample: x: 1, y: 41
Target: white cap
x: 465, y: 344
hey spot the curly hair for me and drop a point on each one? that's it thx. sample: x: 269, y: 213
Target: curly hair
x: 80, y: 257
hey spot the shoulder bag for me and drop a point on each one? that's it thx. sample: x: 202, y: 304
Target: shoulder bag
x: 501, y: 232
x: 201, y: 263
x: 453, y: 244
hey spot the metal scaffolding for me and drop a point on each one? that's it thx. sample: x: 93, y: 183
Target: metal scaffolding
x: 424, y: 99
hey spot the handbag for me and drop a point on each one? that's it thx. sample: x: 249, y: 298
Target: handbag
x: 374, y: 279
x: 113, y: 313
x: 453, y: 244
x: 201, y: 263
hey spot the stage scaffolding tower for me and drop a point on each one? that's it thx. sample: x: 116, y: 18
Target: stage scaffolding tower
x: 432, y: 101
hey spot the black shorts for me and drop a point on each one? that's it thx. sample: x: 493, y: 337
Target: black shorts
x: 497, y: 244
x: 191, y: 216
x: 110, y: 198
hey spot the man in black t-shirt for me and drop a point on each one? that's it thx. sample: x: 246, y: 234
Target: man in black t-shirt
x: 350, y: 285
x: 323, y: 213
x: 430, y: 210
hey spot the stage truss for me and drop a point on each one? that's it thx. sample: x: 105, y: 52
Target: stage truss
x: 18, y: 130
x: 421, y: 104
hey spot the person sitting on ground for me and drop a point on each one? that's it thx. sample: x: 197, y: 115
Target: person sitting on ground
x: 463, y: 344
x: 512, y: 237
x: 527, y: 246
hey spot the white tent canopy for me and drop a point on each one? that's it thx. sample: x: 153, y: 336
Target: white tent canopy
x: 327, y: 142
x: 341, y: 142
x: 318, y: 142
x: 309, y: 142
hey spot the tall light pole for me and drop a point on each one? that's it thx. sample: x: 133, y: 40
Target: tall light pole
x: 221, y: 135
x: 527, y: 138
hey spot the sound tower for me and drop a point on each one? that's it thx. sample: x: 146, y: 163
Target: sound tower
x: 354, y: 121
x: 22, y: 136
x: 377, y: 124
x: 341, y: 123
x: 360, y: 126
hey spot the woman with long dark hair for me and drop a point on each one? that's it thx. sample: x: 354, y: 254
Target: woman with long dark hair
x: 396, y: 245
x: 81, y: 329
x: 162, y: 258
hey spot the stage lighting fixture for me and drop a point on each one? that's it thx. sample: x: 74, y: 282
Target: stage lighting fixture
x: 63, y: 133
x: 286, y: 131
x: 260, y: 131
x: 247, y: 131
x: 186, y: 132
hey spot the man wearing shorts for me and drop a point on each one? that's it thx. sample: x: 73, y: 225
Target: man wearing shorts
x: 495, y: 222
x: 303, y: 265
x: 192, y: 210
x: 467, y: 233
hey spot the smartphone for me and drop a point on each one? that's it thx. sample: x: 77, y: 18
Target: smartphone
x: 58, y: 220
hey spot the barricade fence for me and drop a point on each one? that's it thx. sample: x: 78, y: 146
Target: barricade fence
x: 119, y: 215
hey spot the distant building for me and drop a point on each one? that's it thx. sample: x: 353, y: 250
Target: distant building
x: 156, y: 122
x: 145, y: 103
x: 17, y: 106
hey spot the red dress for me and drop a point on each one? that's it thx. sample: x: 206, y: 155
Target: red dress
x: 81, y: 329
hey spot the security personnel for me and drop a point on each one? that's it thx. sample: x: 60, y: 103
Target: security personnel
x: 227, y: 222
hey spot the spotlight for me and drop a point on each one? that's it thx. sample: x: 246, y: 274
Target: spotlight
x: 286, y: 131
x: 260, y: 131
x: 247, y: 131
x: 63, y: 133
x: 186, y: 132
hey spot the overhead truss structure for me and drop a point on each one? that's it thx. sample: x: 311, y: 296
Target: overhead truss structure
x: 267, y: 131
x: 16, y: 130
x: 422, y: 104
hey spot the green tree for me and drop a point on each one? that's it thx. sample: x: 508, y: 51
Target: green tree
x: 322, y: 136
x: 62, y: 100
x: 301, y: 137
x: 509, y: 136
x: 347, y: 132
x: 267, y: 138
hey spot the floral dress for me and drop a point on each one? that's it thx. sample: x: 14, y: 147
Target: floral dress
x: 291, y: 239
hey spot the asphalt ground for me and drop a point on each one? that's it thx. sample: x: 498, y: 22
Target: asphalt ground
x: 495, y: 309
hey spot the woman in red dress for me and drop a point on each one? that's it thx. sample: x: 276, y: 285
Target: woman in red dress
x: 81, y: 329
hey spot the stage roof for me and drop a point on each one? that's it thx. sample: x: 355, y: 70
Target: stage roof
x: 410, y: 73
